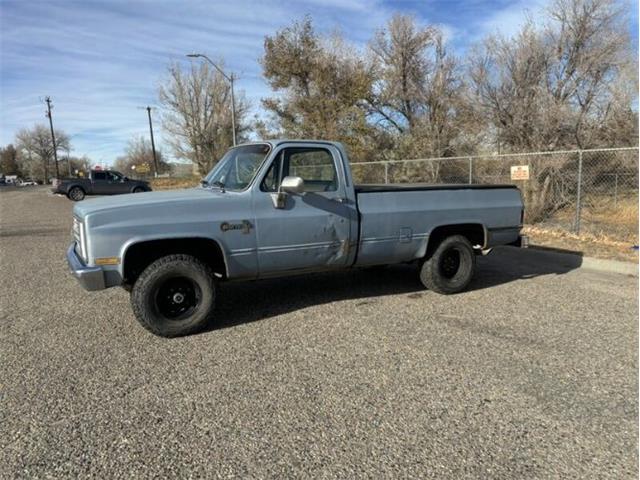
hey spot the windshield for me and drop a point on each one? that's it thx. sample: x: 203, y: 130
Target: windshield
x: 236, y: 169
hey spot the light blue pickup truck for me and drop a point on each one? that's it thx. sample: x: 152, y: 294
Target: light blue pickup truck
x: 280, y: 208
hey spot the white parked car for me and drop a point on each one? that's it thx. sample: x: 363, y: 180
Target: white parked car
x: 26, y: 183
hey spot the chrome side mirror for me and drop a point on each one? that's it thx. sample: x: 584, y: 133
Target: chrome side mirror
x: 292, y: 185
x: 289, y: 185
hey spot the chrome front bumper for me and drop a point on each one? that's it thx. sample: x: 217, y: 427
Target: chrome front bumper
x: 91, y: 278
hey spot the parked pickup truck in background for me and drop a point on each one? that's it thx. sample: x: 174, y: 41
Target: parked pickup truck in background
x: 99, y: 182
x: 280, y: 208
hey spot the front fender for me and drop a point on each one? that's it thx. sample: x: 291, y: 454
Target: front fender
x: 170, y: 236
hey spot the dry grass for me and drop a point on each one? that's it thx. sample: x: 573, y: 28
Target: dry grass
x: 174, y: 183
x: 609, y: 229
x: 588, y: 244
x: 623, y: 212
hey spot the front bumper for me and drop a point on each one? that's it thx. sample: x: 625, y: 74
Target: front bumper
x: 91, y: 278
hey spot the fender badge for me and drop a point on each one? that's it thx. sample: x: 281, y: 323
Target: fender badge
x: 245, y: 226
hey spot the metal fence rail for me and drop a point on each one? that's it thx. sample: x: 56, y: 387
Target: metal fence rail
x: 578, y: 191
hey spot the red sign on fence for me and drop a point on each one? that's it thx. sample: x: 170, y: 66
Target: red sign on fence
x: 520, y: 172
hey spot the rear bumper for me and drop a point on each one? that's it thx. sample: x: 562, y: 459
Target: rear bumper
x: 91, y: 278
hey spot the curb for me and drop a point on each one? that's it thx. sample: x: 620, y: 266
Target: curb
x: 590, y: 263
x: 613, y: 266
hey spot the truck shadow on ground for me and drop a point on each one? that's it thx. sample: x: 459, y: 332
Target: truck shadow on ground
x: 248, y: 302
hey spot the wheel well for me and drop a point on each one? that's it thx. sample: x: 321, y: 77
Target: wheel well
x: 75, y: 185
x: 140, y: 255
x: 474, y: 232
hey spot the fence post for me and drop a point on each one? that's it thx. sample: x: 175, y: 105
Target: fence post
x: 386, y: 173
x: 579, y: 194
x: 615, y: 193
x: 470, y: 170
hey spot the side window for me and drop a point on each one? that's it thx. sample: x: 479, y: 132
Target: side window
x: 315, y: 166
x: 113, y: 177
x: 99, y: 176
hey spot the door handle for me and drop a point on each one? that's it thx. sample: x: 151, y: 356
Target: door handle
x: 341, y: 200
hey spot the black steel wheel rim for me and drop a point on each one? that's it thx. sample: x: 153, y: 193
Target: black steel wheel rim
x: 450, y: 263
x: 178, y: 298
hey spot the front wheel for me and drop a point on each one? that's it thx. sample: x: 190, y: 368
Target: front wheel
x: 451, y: 267
x: 138, y: 190
x: 174, y: 296
x: 76, y: 194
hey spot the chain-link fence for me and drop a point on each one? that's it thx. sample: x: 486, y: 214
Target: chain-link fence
x: 577, y: 191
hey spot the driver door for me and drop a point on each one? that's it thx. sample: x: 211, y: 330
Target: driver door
x: 312, y: 229
x: 116, y: 184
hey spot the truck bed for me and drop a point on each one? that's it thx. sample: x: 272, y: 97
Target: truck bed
x: 396, y: 220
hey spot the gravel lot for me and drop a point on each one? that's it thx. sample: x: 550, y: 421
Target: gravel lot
x: 532, y: 373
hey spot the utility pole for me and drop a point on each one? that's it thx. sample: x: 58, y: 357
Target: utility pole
x: 53, y: 136
x: 233, y: 110
x: 153, y: 144
x: 230, y: 79
x: 69, y: 159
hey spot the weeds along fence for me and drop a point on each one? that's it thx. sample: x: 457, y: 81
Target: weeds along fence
x: 577, y: 191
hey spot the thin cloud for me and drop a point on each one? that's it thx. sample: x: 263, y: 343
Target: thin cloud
x: 100, y: 61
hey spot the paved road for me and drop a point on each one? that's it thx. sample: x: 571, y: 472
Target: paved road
x: 532, y: 373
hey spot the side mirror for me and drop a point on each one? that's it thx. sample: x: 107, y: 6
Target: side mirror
x: 125, y: 179
x: 292, y: 185
x: 288, y: 185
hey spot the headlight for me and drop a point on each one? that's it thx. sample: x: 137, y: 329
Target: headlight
x: 79, y: 237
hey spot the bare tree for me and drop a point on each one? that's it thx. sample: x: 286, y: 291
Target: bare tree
x: 400, y: 55
x: 563, y: 84
x: 320, y: 83
x: 139, y: 152
x: 418, y: 93
x: 197, y: 114
x: 9, y: 161
x: 553, y: 86
x: 36, y: 142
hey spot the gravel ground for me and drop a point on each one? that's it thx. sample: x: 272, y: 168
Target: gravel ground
x: 532, y: 373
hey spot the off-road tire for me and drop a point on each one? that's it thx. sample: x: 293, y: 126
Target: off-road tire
x: 152, y: 282
x: 76, y: 194
x: 437, y: 272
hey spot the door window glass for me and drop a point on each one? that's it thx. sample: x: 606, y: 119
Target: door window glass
x: 314, y: 165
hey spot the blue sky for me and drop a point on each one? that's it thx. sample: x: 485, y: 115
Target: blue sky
x: 101, y: 60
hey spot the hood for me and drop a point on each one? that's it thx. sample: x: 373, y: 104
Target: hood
x: 134, y: 201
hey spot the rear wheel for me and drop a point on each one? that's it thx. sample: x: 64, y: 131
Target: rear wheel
x: 451, y: 267
x: 76, y: 194
x: 138, y: 190
x: 174, y: 296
